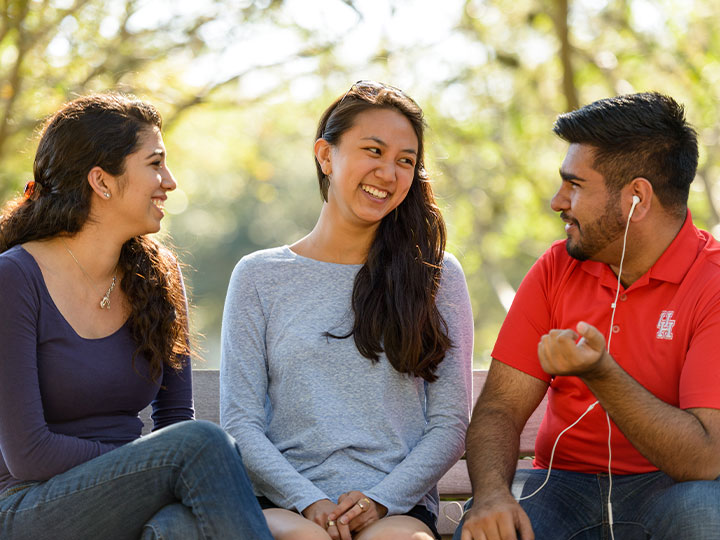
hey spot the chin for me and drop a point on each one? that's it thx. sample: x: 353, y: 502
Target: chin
x: 151, y: 229
x: 368, y: 219
x: 576, y: 252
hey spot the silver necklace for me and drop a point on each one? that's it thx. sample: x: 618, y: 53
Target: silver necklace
x: 105, y: 301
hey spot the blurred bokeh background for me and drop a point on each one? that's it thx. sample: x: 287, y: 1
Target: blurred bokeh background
x: 241, y: 85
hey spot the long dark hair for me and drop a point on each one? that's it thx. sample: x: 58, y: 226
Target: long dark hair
x: 102, y: 130
x: 394, y: 294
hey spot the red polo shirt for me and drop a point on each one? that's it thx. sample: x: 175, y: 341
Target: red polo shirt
x: 666, y: 335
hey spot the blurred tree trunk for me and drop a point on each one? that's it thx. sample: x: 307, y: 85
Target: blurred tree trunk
x: 13, y: 18
x: 561, y: 28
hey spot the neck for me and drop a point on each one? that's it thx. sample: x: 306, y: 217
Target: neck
x: 97, y: 255
x: 647, y: 241
x: 335, y: 240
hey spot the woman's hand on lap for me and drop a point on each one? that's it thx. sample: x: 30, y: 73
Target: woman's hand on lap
x: 355, y: 510
x: 322, y: 512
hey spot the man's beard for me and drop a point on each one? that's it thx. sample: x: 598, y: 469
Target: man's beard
x: 596, y: 236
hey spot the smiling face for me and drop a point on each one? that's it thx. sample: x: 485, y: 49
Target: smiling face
x: 372, y: 168
x: 593, y: 217
x: 142, y: 188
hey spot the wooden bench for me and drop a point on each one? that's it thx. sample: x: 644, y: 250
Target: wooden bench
x: 453, y: 486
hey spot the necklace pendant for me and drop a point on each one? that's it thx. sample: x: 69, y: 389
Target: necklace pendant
x: 105, y: 302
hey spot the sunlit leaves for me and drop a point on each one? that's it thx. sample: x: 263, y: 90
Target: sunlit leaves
x: 242, y: 84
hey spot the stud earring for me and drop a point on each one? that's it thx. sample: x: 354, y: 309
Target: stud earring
x: 107, y: 195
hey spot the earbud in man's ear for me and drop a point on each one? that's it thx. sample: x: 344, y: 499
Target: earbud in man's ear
x: 636, y: 201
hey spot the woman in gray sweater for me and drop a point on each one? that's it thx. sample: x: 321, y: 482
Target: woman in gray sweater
x: 346, y: 357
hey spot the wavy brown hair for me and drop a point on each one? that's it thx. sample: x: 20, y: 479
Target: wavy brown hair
x: 394, y: 293
x: 101, y: 131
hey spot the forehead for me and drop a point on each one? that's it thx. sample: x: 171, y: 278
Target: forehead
x: 149, y: 145
x: 150, y: 136
x: 579, y: 155
x: 579, y: 161
x: 389, y: 125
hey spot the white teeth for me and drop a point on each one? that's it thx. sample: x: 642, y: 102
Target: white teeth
x: 159, y: 203
x: 374, y: 192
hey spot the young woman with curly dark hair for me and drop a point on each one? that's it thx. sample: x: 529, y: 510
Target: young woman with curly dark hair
x: 346, y: 357
x: 93, y: 327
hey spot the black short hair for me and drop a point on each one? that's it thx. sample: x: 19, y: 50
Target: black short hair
x: 638, y: 135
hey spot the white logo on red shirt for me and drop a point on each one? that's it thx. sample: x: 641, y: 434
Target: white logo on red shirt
x: 665, y: 325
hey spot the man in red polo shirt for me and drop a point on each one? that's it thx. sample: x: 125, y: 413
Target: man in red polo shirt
x: 620, y: 325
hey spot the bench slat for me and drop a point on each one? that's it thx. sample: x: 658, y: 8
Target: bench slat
x: 455, y: 482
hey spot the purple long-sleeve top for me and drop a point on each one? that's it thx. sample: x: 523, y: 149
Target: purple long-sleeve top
x: 65, y: 399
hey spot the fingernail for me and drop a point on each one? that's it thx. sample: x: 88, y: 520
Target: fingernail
x: 343, y: 521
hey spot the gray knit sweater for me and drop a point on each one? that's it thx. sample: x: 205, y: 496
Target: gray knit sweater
x: 314, y: 418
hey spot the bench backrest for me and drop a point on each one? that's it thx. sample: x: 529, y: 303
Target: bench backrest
x: 206, y: 394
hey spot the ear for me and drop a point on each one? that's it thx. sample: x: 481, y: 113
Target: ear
x: 99, y: 182
x: 641, y: 188
x: 323, y: 154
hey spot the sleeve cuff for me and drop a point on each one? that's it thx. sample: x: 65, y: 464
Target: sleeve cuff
x: 308, y: 499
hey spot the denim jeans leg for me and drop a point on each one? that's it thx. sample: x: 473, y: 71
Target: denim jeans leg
x: 687, y: 510
x: 649, y: 505
x: 172, y: 521
x: 113, y: 496
x: 567, y: 507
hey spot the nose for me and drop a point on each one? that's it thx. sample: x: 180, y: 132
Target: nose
x: 560, y: 201
x: 168, y: 180
x: 386, y: 171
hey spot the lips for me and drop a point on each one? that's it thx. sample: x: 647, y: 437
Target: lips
x: 375, y: 192
x: 159, y: 204
x: 569, y: 221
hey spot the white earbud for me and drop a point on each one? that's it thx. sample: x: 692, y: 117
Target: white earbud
x: 636, y: 201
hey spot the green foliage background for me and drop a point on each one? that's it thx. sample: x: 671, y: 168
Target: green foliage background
x: 240, y: 114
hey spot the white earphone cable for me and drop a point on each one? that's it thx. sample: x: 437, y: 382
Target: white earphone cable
x: 636, y: 200
x: 552, y: 454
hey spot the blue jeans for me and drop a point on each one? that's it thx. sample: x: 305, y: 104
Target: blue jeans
x: 645, y: 506
x: 183, y: 482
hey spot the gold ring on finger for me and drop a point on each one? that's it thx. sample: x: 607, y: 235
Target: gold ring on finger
x: 330, y: 523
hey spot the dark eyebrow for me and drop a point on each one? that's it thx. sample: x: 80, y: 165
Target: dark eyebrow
x: 156, y: 152
x: 569, y: 176
x: 383, y: 143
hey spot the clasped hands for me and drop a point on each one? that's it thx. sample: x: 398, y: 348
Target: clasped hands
x: 352, y: 512
x: 560, y: 352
